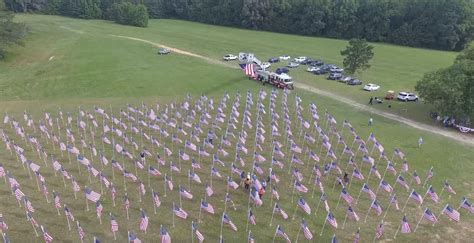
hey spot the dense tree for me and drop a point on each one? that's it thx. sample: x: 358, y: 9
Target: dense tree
x: 436, y: 24
x: 10, y: 32
x: 130, y: 14
x: 357, y: 56
x: 451, y: 90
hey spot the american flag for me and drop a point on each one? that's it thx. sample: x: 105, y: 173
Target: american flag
x: 376, y: 206
x: 295, y: 148
x: 303, y: 205
x: 374, y: 170
x: 18, y: 193
x: 207, y: 207
x: 165, y: 236
x: 195, y: 177
x: 448, y: 188
x: 250, y: 238
x: 99, y: 208
x: 91, y: 195
x: 143, y: 221
x: 232, y: 183
x: 300, y: 187
x: 417, y: 197
x: 380, y: 230
x: 156, y: 199
x: 215, y: 171
x: 57, y: 200
x: 416, y: 178
x: 126, y: 201
x: 313, y: 156
x: 183, y: 155
x: 366, y: 189
x: 282, y: 233
x: 128, y: 174
x: 132, y: 238
x: 190, y: 145
x: 153, y: 171
x: 357, y: 237
x: 281, y: 211
x: 346, y: 196
x: 391, y: 168
x: 331, y: 220
x: 32, y: 219
x: 226, y: 220
x: 429, y: 174
x: 28, y: 205
x: 466, y: 205
x: 236, y: 170
x: 368, y: 159
x: 334, y: 239
x: 252, y: 218
x: 357, y: 174
x: 47, y: 237
x: 256, y: 198
x: 402, y: 182
x: 199, y: 235
x: 75, y: 185
x: 395, y: 201
x: 174, y: 167
x: 80, y: 231
x: 296, y: 160
x: 209, y: 191
x: 384, y: 185
x: 275, y: 193
x: 405, y: 166
x: 3, y: 225
x: 428, y: 215
x: 399, y: 153
x: 180, y: 212
x: 352, y: 214
x: 195, y: 164
x: 434, y: 196
x: 405, y: 226
x: 451, y: 213
x: 307, y: 233
x: 183, y: 192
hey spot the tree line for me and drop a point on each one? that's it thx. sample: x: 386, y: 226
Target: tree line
x: 11, y: 33
x: 435, y: 24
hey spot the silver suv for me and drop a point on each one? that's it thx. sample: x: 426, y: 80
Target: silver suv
x: 405, y: 96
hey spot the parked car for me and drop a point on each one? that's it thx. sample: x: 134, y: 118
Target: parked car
x: 345, y: 79
x: 371, y: 87
x: 406, y: 96
x: 335, y: 76
x: 265, y: 65
x: 164, y: 51
x: 320, y: 71
x: 311, y: 69
x: 281, y: 70
x: 316, y: 63
x: 230, y: 57
x: 336, y: 70
x: 273, y: 60
x: 284, y: 57
x: 354, y: 82
x: 307, y: 61
x: 300, y: 59
x: 293, y: 65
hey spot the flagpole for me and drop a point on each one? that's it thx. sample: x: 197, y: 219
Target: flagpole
x: 324, y: 225
x: 222, y: 224
x: 68, y: 224
x: 338, y: 201
x: 396, y: 232
x: 293, y: 191
x: 274, y: 236
x: 317, y: 208
x: 172, y: 213
x: 298, y: 234
x: 367, y: 214
x: 344, y: 224
x: 388, y: 207
x: 419, y: 221
x: 192, y: 231
x: 427, y: 177
x: 375, y: 235
x: 273, y: 212
x: 439, y: 216
x: 164, y: 184
x: 32, y: 225
x: 424, y: 196
x: 200, y: 209
x: 403, y: 210
x: 294, y: 213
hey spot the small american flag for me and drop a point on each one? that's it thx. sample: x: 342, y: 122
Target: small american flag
x: 252, y: 218
x: 57, y: 200
x: 357, y: 237
x: 307, y: 233
x: 428, y: 215
x: 417, y: 197
x: 395, y: 201
x: 282, y: 233
x: 448, y: 188
x: 384, y: 185
x: 28, y: 205
x: 143, y: 221
x: 334, y: 239
x: 434, y: 196
x: 402, y: 182
x: 300, y: 187
x: 366, y: 189
x: 376, y: 206
x: 451, y: 213
x: 405, y: 226
x: 209, y: 191
x: 232, y: 183
x: 47, y: 237
x: 68, y: 213
x: 153, y: 171
x: 380, y: 230
x: 113, y: 224
x: 165, y: 236
x: 346, y: 196
x: 430, y: 174
x: 194, y: 177
x: 98, y: 209
x: 303, y: 205
x: 416, y: 178
x: 275, y: 193
x: 199, y: 235
x: 374, y: 170
x: 80, y: 231
x: 250, y: 238
x: 391, y: 168
x: 91, y: 195
x: 352, y: 214
x: 180, y: 212
x: 466, y: 205
x: 156, y: 199
x: 405, y: 166
x: 331, y: 220
x: 226, y: 220
x: 132, y: 238
x: 183, y: 192
x: 281, y: 211
x: 357, y: 174
x: 399, y: 153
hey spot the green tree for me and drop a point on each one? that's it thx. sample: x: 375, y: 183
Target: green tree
x: 11, y: 33
x: 451, y: 90
x: 130, y: 14
x: 357, y: 55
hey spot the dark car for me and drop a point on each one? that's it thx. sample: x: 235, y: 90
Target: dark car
x: 316, y: 63
x: 335, y: 76
x: 307, y: 61
x: 273, y: 60
x: 281, y: 70
x: 320, y: 71
x: 354, y: 82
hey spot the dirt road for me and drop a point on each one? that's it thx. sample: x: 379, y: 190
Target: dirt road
x: 466, y: 139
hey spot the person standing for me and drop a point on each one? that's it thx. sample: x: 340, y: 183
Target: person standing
x: 371, y: 100
x: 371, y: 121
x: 420, y: 142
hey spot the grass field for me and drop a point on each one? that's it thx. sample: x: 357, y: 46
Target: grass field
x: 92, y: 68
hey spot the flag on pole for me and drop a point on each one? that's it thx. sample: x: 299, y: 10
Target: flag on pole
x: 252, y: 219
x: 46, y: 236
x: 306, y: 232
x: 303, y: 205
x: 226, y: 220
x: 91, y: 195
x: 466, y: 205
x: 366, y: 189
x: 346, y: 196
x: 451, y: 213
x: 281, y: 232
x: 416, y: 178
x: 352, y: 214
x: 402, y: 182
x: 331, y: 220
x: 428, y: 215
x: 281, y: 211
x: 156, y: 199
x: 198, y: 234
x: 143, y: 221
x: 185, y: 193
x: 448, y: 188
x: 387, y: 187
x: 376, y: 206
x: 357, y: 174
x: 165, y: 236
x: 417, y: 197
x: 379, y: 231
x: 180, y: 212
x: 434, y: 196
x: 405, y: 226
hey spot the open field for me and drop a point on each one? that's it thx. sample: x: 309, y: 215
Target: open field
x: 91, y: 68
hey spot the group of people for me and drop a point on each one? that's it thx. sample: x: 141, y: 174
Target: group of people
x: 246, y: 181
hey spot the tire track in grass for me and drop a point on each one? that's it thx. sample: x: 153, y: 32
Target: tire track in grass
x: 465, y: 139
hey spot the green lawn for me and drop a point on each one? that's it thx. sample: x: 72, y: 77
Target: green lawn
x: 94, y: 68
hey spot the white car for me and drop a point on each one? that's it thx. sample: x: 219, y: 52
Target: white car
x: 406, y: 96
x: 265, y: 65
x: 284, y: 57
x: 371, y: 87
x: 230, y: 57
x: 312, y: 69
x: 300, y: 59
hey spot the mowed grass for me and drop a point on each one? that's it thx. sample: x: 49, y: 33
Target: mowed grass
x: 93, y: 68
x: 393, y: 67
